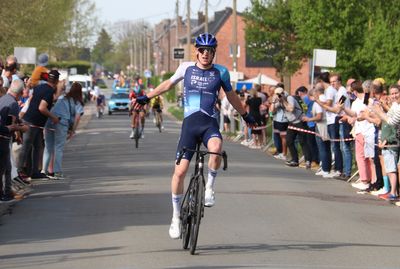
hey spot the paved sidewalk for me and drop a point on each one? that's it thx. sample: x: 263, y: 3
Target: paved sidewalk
x: 89, y: 111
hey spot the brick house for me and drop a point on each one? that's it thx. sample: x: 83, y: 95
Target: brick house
x: 221, y: 26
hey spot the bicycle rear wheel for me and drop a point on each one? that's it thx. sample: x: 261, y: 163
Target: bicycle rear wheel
x: 158, y: 121
x: 185, y: 221
x: 198, y: 205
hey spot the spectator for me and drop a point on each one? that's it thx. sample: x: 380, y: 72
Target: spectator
x: 280, y: 124
x: 227, y: 112
x: 386, y: 118
x: 331, y: 84
x: 40, y: 69
x: 36, y: 116
x: 243, y: 95
x: 319, y: 117
x: 294, y: 114
x: 389, y: 142
x: 66, y: 109
x: 364, y: 133
x: 8, y: 117
x: 254, y: 103
x: 346, y: 143
x: 10, y: 71
x: 304, y: 99
x: 3, y: 90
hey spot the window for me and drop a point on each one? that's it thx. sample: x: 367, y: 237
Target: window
x: 231, y: 50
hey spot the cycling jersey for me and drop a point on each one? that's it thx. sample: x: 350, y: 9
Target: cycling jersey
x: 156, y: 102
x: 135, y: 93
x: 201, y: 87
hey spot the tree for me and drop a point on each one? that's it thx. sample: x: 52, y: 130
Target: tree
x: 82, y: 27
x: 365, y: 34
x: 270, y: 33
x: 102, y: 48
x: 39, y: 23
x: 337, y: 25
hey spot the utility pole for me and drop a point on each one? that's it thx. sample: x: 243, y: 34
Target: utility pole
x: 141, y: 55
x: 169, y: 46
x: 135, y: 49
x: 148, y: 51
x: 206, y: 17
x: 188, y: 33
x: 177, y: 23
x: 234, y: 41
x: 234, y: 51
x: 131, y: 51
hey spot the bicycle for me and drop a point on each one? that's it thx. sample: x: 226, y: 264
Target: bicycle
x: 192, y: 208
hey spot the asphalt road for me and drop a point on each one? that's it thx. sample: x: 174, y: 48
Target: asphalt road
x: 113, y: 211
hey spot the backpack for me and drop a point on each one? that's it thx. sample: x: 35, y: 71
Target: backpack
x: 302, y: 105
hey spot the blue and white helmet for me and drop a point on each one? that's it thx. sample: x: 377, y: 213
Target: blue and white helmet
x: 206, y: 40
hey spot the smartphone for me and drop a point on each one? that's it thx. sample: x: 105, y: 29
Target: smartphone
x: 366, y: 98
x: 342, y: 99
x: 9, y: 120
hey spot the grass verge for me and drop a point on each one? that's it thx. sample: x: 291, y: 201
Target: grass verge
x: 177, y: 112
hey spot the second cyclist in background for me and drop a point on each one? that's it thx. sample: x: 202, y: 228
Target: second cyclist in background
x: 157, y: 105
x: 135, y: 93
x: 100, y: 101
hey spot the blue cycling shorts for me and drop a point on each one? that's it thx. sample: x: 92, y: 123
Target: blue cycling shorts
x: 196, y: 128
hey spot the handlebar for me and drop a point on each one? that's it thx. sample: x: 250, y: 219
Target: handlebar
x: 203, y: 153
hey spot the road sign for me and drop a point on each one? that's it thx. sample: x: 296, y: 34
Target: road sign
x: 179, y: 53
x: 325, y: 58
x: 25, y: 55
x: 147, y: 73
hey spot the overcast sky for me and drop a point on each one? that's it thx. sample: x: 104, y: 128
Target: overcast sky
x: 154, y: 11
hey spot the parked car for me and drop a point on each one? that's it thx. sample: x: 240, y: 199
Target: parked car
x: 118, y: 102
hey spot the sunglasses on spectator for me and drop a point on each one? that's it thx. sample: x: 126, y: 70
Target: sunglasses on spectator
x: 208, y: 49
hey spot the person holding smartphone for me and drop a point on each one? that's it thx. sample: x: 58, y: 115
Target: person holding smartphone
x: 364, y: 133
x: 8, y: 116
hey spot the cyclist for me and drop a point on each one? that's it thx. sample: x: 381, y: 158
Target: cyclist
x: 136, y: 92
x: 202, y: 82
x: 100, y: 101
x: 156, y: 105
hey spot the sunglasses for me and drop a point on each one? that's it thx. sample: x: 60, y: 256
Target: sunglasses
x: 209, y: 50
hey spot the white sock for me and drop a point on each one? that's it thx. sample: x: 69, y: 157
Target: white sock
x: 211, y: 178
x: 176, y: 205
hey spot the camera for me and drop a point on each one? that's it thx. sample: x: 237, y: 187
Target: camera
x: 279, y: 95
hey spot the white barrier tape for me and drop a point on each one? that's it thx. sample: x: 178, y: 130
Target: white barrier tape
x: 317, y: 134
x: 336, y: 140
x: 259, y: 127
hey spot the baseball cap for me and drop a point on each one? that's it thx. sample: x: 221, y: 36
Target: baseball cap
x: 54, y: 75
x: 279, y: 90
x: 43, y: 59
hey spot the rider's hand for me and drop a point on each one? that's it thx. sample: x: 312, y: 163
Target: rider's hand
x: 141, y: 101
x: 249, y: 119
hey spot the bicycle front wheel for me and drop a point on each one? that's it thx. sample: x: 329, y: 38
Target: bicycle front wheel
x: 185, y: 221
x: 198, y: 205
x: 137, y: 136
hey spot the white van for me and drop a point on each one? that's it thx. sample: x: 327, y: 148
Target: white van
x: 85, y: 81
